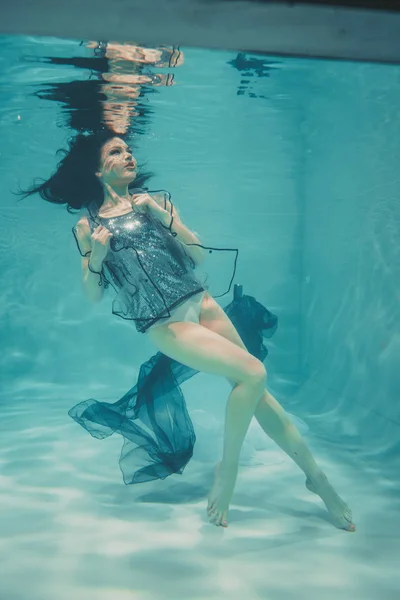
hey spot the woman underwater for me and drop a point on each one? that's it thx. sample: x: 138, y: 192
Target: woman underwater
x: 157, y: 288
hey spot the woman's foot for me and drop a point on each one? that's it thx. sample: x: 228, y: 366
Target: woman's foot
x: 339, y: 511
x: 221, y: 494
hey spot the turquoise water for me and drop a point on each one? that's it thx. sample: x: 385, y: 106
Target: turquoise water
x: 295, y: 163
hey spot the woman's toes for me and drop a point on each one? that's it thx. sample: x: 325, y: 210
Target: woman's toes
x: 212, y: 515
x: 220, y: 518
x: 224, y: 522
x: 216, y: 518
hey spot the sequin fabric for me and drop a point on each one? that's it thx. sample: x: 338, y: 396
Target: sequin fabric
x: 147, y: 267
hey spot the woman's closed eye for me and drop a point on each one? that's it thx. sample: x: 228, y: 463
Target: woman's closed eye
x: 119, y: 150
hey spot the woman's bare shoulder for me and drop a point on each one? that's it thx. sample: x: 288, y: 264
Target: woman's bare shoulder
x: 83, y: 236
x: 163, y: 199
x: 160, y: 196
x: 82, y: 227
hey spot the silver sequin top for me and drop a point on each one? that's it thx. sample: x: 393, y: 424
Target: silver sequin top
x: 148, y: 268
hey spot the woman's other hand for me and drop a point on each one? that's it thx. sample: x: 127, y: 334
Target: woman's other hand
x: 100, y: 245
x: 145, y: 203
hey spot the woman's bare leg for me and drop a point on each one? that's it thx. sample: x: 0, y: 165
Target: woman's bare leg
x: 277, y: 425
x: 204, y: 350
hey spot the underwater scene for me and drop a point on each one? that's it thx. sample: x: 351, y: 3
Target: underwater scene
x: 199, y: 324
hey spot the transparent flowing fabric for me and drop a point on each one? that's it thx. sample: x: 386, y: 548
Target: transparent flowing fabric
x: 152, y: 417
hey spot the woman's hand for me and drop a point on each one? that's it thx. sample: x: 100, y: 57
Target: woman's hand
x: 145, y: 203
x: 100, y: 246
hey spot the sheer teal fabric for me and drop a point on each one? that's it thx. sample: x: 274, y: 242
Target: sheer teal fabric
x: 152, y: 417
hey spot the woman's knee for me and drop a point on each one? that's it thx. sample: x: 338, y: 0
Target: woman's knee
x: 256, y: 374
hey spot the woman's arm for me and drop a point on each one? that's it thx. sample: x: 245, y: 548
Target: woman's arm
x: 90, y: 280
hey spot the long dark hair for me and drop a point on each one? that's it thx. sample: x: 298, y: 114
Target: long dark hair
x: 75, y: 182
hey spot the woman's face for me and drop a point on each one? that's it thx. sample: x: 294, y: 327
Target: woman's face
x: 117, y: 165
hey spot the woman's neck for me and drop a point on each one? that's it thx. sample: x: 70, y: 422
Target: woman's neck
x: 115, y: 203
x: 121, y: 193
